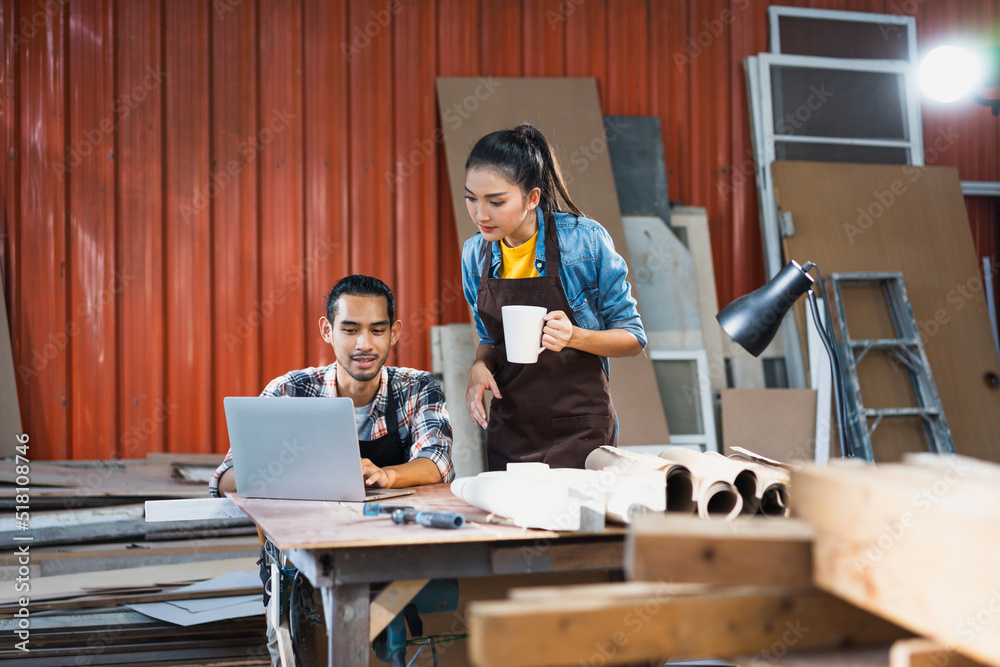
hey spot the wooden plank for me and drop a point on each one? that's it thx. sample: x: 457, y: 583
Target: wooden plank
x: 776, y: 656
x: 694, y: 222
x: 881, y: 529
x: 759, y: 551
x: 557, y: 558
x: 117, y: 522
x: 345, y: 609
x: 707, y: 625
x: 390, y: 601
x: 921, y: 652
x: 192, y: 509
x: 156, y: 459
x: 890, y: 218
x: 342, y: 524
x: 777, y: 423
x: 138, y: 576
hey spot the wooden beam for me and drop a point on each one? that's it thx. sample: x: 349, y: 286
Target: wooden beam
x: 753, y: 551
x: 191, y: 509
x: 390, y: 601
x: 921, y: 652
x: 162, y: 575
x: 605, y: 628
x: 914, y: 545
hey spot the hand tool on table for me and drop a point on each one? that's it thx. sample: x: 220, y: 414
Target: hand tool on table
x: 403, y: 514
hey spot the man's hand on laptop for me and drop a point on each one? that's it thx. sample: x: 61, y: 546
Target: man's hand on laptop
x: 412, y: 473
x: 381, y: 478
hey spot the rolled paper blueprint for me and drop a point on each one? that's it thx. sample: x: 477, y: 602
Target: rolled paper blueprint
x: 713, y: 466
x: 772, y: 489
x: 677, y: 478
x: 718, y: 498
x: 535, y: 496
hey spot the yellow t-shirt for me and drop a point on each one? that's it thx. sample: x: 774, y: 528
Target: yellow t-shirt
x: 519, y: 262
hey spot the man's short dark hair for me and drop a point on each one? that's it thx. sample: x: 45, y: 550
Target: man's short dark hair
x: 360, y: 285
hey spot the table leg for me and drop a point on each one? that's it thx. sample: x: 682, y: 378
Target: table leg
x: 346, y: 613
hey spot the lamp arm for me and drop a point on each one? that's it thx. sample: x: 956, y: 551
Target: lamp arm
x: 838, y: 378
x: 993, y: 105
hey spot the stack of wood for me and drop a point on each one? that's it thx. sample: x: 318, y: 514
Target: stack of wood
x: 91, y: 580
x: 875, y: 554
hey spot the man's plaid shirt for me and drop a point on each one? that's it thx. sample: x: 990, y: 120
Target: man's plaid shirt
x: 419, y: 410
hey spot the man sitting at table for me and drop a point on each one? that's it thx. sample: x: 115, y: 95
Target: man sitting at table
x: 402, y: 423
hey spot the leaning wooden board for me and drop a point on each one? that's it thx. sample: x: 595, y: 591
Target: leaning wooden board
x: 852, y: 217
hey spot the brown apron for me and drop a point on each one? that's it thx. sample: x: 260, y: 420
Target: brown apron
x: 558, y: 409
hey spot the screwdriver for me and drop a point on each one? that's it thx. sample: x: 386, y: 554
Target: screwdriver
x: 402, y: 514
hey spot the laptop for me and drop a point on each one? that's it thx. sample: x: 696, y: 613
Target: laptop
x: 298, y: 449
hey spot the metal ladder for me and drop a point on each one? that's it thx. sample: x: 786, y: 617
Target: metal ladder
x: 907, y: 348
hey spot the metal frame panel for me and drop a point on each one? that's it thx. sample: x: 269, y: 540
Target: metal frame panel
x: 707, y: 439
x: 774, y: 14
x: 765, y: 124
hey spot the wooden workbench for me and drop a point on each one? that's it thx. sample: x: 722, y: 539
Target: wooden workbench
x: 342, y: 552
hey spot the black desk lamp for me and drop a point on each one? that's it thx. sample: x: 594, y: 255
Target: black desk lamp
x: 753, y: 320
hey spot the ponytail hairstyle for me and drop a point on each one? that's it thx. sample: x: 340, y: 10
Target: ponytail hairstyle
x: 523, y: 156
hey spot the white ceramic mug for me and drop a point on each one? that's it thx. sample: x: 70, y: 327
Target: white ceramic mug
x: 522, y: 332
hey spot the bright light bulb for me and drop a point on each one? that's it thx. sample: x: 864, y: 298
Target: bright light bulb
x: 949, y: 73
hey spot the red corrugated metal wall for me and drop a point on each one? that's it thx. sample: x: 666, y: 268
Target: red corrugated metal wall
x: 183, y: 180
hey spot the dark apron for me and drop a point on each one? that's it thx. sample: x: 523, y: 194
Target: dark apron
x: 558, y: 409
x: 390, y: 449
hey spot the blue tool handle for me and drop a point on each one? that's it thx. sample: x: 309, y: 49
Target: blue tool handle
x: 440, y: 519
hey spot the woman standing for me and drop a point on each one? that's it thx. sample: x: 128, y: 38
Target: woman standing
x: 530, y: 252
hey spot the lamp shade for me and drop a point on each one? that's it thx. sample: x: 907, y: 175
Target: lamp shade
x: 753, y: 319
